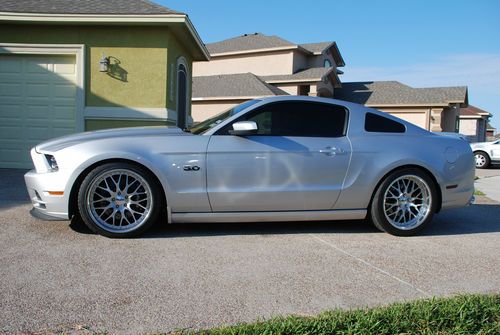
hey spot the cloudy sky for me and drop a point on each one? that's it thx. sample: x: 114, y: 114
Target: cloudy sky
x: 420, y: 43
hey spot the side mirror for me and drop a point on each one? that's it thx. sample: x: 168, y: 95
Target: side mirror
x: 243, y: 128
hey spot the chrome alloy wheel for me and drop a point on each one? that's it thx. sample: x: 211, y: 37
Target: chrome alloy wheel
x: 480, y: 160
x: 407, y: 202
x: 119, y: 200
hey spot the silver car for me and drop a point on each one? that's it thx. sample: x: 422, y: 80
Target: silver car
x: 486, y: 153
x: 276, y: 159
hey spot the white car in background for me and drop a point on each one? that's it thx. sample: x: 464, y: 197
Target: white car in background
x: 486, y: 153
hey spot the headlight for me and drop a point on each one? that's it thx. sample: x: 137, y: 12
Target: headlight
x: 52, y: 162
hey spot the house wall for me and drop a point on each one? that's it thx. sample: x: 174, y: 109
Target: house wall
x: 202, y: 110
x: 319, y: 61
x: 300, y: 61
x: 141, y: 59
x: 262, y: 64
x: 417, y: 116
x: 468, y: 127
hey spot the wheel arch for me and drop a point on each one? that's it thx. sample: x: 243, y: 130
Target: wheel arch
x: 414, y: 166
x: 73, y: 197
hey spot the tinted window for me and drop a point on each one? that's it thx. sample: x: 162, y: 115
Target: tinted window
x: 298, y: 119
x: 377, y: 123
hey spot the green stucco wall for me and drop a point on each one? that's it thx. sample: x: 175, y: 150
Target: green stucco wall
x: 106, y: 124
x: 140, y: 60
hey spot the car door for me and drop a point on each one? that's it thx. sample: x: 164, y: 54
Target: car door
x: 297, y: 160
x: 495, y: 150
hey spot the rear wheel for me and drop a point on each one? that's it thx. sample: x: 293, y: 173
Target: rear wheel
x: 119, y: 200
x: 404, y: 203
x: 482, y: 159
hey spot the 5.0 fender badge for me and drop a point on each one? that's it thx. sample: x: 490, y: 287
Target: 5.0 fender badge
x: 191, y: 168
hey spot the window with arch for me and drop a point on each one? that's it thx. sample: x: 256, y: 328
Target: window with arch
x: 182, y: 93
x: 327, y: 63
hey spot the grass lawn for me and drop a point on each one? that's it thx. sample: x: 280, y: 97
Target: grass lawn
x: 477, y: 192
x: 465, y: 314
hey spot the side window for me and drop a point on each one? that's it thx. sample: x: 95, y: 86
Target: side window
x: 327, y: 63
x: 380, y: 124
x: 298, y: 118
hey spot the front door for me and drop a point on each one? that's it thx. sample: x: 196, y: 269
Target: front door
x: 297, y: 161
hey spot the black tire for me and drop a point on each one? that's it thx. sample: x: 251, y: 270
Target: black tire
x: 386, y: 208
x: 133, y: 199
x: 482, y: 160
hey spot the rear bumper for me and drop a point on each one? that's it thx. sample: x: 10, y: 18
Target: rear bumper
x: 45, y: 205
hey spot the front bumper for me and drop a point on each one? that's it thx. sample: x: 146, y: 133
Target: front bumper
x: 48, y: 206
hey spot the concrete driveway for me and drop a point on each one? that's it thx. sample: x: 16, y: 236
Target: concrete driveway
x: 54, y: 275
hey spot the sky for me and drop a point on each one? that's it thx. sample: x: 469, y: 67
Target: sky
x: 420, y: 43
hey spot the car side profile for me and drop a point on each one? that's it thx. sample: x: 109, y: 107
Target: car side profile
x: 291, y: 158
x: 486, y: 153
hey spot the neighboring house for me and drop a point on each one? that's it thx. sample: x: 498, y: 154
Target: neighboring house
x: 434, y: 108
x: 490, y: 132
x: 69, y: 66
x: 298, y: 69
x: 474, y: 123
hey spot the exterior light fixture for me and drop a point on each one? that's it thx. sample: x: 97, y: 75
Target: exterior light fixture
x: 103, y: 63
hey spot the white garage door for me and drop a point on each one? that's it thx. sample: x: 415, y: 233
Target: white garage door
x: 37, y: 102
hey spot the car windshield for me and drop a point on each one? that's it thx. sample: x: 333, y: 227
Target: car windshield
x: 202, y: 127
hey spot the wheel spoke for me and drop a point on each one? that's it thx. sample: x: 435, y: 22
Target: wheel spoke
x: 119, y: 200
x: 407, y: 202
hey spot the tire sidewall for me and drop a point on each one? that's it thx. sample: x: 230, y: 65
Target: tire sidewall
x: 85, y: 188
x: 377, y: 212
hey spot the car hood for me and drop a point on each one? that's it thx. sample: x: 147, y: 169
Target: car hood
x: 127, y: 133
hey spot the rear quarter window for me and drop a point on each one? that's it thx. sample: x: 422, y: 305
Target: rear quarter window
x: 378, y: 124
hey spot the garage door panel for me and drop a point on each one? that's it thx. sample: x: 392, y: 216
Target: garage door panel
x: 37, y: 112
x: 10, y: 132
x: 34, y: 133
x: 64, y: 113
x: 64, y: 91
x: 10, y: 112
x: 38, y: 90
x: 10, y: 89
x: 37, y: 102
x: 11, y: 66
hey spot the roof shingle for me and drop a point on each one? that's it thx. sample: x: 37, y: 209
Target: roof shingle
x: 111, y: 7
x: 473, y: 111
x: 248, y: 42
x: 233, y: 85
x: 378, y: 93
x: 315, y: 73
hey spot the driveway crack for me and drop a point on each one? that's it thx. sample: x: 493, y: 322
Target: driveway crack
x: 402, y: 281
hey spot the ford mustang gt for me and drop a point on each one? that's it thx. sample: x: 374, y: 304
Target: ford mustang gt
x: 275, y: 159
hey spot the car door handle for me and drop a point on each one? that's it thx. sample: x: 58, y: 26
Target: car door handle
x: 331, y: 151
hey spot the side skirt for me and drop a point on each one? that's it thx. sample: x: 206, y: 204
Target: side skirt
x: 344, y: 214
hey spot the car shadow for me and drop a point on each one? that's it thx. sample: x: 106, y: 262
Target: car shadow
x: 476, y: 219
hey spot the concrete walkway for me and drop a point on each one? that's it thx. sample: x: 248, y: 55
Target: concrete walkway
x: 489, y: 186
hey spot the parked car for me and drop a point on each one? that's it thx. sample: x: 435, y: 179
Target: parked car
x: 486, y: 153
x: 275, y: 159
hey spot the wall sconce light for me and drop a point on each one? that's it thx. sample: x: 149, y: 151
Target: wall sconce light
x: 103, y: 63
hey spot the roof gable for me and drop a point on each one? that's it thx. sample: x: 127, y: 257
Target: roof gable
x: 247, y: 42
x: 233, y: 85
x: 385, y: 93
x: 109, y: 7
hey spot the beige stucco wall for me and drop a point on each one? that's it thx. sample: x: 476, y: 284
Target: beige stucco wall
x: 468, y: 127
x: 202, y: 110
x: 417, y: 116
x: 290, y: 89
x: 272, y: 63
x: 300, y: 61
x: 319, y: 61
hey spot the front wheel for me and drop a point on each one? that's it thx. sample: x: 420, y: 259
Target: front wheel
x: 482, y: 160
x: 404, y: 203
x: 119, y: 200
